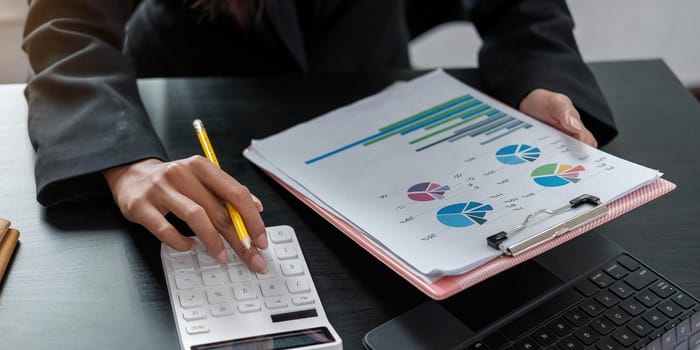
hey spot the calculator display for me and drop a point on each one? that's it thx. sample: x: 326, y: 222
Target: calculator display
x: 278, y: 341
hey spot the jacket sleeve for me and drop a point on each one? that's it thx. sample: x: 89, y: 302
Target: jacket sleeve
x: 85, y: 113
x: 529, y: 44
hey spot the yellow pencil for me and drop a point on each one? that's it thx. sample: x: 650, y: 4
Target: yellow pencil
x: 209, y: 153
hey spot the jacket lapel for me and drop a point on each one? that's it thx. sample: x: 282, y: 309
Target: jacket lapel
x: 283, y: 16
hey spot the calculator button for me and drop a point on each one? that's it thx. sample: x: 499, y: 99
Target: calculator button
x: 297, y: 285
x: 233, y: 258
x: 239, y: 273
x: 200, y: 248
x: 249, y: 306
x: 218, y: 295
x: 174, y: 252
x: 303, y: 299
x: 182, y: 263
x: 272, y: 288
x: 194, y: 314
x: 207, y: 261
x: 267, y: 255
x: 197, y: 328
x: 244, y: 291
x: 221, y: 310
x: 271, y: 273
x: 190, y: 299
x: 276, y: 303
x: 292, y: 268
x: 214, y: 277
x: 280, y: 236
x: 186, y: 281
x: 286, y: 251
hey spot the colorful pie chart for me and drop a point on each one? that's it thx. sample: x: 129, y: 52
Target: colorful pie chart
x: 555, y: 175
x: 517, y: 154
x: 463, y: 214
x: 427, y: 191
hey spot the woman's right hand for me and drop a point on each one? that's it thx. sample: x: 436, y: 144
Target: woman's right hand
x: 195, y: 190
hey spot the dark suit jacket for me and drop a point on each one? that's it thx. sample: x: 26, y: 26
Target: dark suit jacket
x: 85, y: 114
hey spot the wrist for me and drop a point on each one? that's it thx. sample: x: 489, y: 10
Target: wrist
x: 114, y: 174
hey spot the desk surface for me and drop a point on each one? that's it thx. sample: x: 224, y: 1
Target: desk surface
x: 82, y: 276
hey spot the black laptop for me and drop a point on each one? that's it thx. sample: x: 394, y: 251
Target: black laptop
x: 585, y: 294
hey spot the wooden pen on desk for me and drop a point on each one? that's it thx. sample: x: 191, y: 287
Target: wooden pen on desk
x: 209, y: 153
x: 8, y: 242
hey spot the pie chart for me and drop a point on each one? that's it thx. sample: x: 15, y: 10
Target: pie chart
x: 463, y: 214
x: 517, y: 154
x: 427, y: 191
x: 555, y: 175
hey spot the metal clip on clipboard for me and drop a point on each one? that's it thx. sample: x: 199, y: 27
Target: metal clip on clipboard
x: 497, y: 241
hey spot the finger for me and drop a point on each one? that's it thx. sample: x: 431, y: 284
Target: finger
x: 250, y: 257
x: 562, y: 110
x: 230, y: 190
x: 196, y: 218
x: 154, y: 221
x: 587, y: 137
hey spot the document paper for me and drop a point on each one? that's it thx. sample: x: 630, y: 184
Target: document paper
x: 430, y: 168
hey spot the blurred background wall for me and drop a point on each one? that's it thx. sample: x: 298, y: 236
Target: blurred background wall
x: 605, y: 30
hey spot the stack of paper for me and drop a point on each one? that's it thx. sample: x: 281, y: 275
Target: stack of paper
x: 429, y: 168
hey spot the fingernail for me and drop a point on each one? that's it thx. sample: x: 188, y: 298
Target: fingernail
x: 258, y: 203
x: 574, y: 123
x: 258, y: 263
x: 261, y: 241
x: 222, y: 257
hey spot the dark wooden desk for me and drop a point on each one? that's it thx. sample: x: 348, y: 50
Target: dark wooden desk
x: 83, y: 277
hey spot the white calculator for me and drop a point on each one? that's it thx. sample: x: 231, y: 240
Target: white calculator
x: 228, y: 306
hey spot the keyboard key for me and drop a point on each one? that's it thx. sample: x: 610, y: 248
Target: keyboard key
x: 607, y: 298
x: 207, y: 261
x: 526, y: 344
x: 682, y: 346
x: 286, y: 251
x: 618, y: 316
x: 219, y: 295
x: 668, y: 340
x: 662, y: 289
x: 587, y: 336
x: 194, y: 314
x: 221, y: 310
x: 670, y: 309
x: 622, y: 290
x: 280, y: 236
x: 601, y: 279
x: 616, y: 271
x: 214, y: 277
x: 592, y: 307
x: 655, y: 317
x: 190, y: 299
x: 647, y: 298
x: 640, y: 327
x: 561, y: 326
x: 297, y: 285
x: 632, y: 306
x: 197, y: 328
x: 655, y: 344
x: 542, y: 313
x: 683, y: 300
x: 608, y: 344
x: 186, y: 281
x: 249, y: 306
x: 602, y: 325
x: 276, y: 303
x: 683, y: 330
x: 495, y: 340
x: 695, y: 323
x: 292, y: 268
x: 570, y: 343
x: 640, y: 278
x: 628, y: 263
x: 182, y: 263
x: 586, y: 287
x: 303, y: 299
x: 272, y: 288
x: 576, y: 316
x: 544, y: 336
x: 480, y: 345
x: 244, y: 291
x: 239, y: 273
x: 625, y: 336
x: 694, y: 341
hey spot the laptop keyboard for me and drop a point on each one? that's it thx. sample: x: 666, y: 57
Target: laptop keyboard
x: 624, y: 305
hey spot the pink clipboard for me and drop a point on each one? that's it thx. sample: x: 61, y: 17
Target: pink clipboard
x: 450, y: 285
